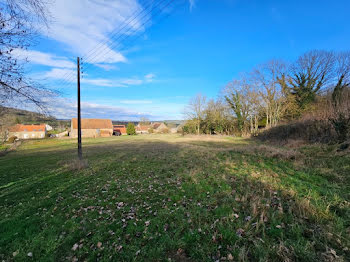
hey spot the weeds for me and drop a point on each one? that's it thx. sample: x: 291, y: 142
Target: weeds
x: 177, y: 198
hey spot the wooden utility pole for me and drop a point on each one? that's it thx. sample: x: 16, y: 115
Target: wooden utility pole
x: 80, y: 153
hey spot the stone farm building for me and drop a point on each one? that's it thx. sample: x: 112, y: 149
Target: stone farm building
x: 119, y: 128
x: 157, y: 128
x: 28, y: 131
x: 142, y: 129
x: 92, y: 127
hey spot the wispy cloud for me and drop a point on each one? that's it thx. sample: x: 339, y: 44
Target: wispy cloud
x: 41, y: 58
x: 135, y: 102
x: 192, y: 4
x: 66, y: 109
x: 60, y: 73
x: 86, y: 25
x: 98, y: 82
x: 107, y: 67
x: 150, y: 77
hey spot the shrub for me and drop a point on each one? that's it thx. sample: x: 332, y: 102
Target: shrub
x: 165, y: 131
x: 311, y: 131
x: 130, y: 129
x: 341, y: 125
x: 189, y: 128
x: 12, y: 139
x: 151, y: 130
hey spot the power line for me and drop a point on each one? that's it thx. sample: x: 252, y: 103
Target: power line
x: 126, y: 25
x: 112, y: 34
x: 116, y: 44
x: 120, y: 38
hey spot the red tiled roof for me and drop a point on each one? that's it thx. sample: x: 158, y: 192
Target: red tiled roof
x: 27, y: 128
x: 142, y: 128
x: 156, y: 125
x: 120, y: 128
x: 87, y: 123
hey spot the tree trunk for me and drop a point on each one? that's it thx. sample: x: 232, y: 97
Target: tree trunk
x: 251, y: 125
x: 267, y: 118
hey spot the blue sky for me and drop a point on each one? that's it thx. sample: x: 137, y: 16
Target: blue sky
x: 197, y: 49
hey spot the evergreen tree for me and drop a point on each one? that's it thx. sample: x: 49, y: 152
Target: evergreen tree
x: 130, y: 129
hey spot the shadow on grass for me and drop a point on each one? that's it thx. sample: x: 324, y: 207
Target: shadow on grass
x: 164, y: 198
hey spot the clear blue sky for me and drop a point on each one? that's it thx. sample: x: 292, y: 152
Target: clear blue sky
x: 195, y: 50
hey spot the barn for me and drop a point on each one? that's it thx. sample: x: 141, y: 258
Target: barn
x: 28, y: 131
x: 119, y: 129
x: 159, y: 127
x: 92, y: 127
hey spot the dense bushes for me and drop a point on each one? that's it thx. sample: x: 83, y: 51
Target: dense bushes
x: 307, y: 130
x: 165, y: 131
x: 328, y: 122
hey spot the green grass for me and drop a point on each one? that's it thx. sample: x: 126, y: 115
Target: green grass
x: 3, y: 147
x: 167, y: 197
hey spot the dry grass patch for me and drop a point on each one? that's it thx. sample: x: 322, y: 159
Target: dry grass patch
x: 161, y: 197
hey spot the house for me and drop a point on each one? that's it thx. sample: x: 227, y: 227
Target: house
x: 27, y: 131
x: 48, y: 127
x: 159, y: 127
x: 156, y: 127
x: 92, y: 127
x: 119, y: 128
x: 142, y: 129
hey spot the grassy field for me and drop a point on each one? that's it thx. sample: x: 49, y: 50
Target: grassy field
x: 173, y: 198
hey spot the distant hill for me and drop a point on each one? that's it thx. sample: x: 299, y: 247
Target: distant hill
x: 169, y: 123
x: 12, y: 116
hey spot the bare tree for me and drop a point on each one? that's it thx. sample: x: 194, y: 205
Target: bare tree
x: 195, y: 110
x: 6, y: 120
x: 243, y: 99
x: 339, y: 114
x: 144, y: 121
x: 255, y: 102
x: 19, y: 21
x: 342, y: 77
x: 216, y: 116
x: 265, y: 78
x: 309, y: 74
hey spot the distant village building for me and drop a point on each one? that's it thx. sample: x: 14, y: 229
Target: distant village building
x: 119, y: 129
x: 62, y: 134
x: 48, y: 127
x: 92, y: 127
x: 27, y: 131
x: 173, y: 130
x: 156, y: 127
x: 159, y: 127
x: 142, y: 129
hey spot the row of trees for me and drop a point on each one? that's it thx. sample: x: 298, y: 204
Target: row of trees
x: 277, y: 91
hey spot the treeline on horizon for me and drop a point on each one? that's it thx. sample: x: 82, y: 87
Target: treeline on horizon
x: 307, y: 99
